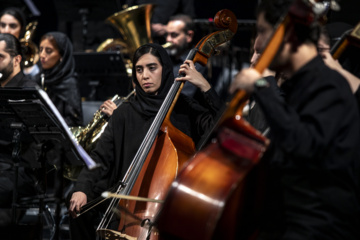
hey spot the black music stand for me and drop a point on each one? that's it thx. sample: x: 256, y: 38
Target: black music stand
x: 101, y: 74
x: 32, y: 111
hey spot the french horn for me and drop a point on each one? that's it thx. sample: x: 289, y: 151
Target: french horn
x: 88, y: 136
x: 31, y: 51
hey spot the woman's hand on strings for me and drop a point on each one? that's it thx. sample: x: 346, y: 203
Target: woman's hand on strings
x: 190, y: 74
x: 78, y: 199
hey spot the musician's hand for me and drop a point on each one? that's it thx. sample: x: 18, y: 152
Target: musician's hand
x: 193, y: 76
x: 158, y: 29
x: 108, y: 107
x: 78, y: 199
x: 330, y: 61
x: 245, y: 80
x: 353, y: 80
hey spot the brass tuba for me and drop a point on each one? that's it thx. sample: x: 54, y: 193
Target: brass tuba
x: 31, y: 51
x: 134, y: 26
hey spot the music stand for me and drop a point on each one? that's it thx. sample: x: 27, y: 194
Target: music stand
x: 101, y: 74
x: 33, y: 109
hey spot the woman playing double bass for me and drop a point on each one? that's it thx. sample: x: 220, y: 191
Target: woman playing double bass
x: 130, y: 122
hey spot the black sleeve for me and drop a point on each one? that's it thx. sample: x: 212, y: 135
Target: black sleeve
x: 102, y: 154
x: 201, y: 117
x: 310, y: 133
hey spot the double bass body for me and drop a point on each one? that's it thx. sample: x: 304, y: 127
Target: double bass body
x: 169, y: 152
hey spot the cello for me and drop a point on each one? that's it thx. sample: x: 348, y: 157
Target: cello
x: 209, y: 197
x: 162, y: 153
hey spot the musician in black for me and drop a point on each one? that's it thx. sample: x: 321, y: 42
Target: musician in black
x: 12, y: 76
x: 314, y: 141
x: 180, y: 32
x: 153, y: 76
x: 57, y: 76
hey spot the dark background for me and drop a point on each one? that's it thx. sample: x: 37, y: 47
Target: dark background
x: 65, y: 16
x: 84, y: 23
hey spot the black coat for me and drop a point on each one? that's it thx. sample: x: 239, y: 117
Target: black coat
x: 315, y: 150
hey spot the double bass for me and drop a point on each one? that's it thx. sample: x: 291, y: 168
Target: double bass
x: 209, y: 199
x: 162, y: 153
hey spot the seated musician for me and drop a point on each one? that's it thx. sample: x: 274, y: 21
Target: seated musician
x: 153, y: 76
x: 57, y: 76
x: 314, y: 139
x: 12, y: 76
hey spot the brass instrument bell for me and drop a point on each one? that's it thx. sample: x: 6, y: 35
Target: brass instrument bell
x: 134, y: 26
x: 31, y: 51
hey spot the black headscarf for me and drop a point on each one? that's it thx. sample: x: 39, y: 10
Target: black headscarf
x: 147, y: 104
x: 61, y: 83
x: 66, y: 67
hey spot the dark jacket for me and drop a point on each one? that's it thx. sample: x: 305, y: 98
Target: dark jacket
x: 315, y: 147
x: 20, y: 80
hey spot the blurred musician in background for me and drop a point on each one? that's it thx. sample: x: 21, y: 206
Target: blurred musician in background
x: 163, y: 11
x: 57, y: 76
x: 13, y: 21
x: 314, y: 152
x: 11, y: 63
x: 324, y: 46
x: 180, y: 34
